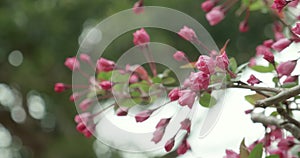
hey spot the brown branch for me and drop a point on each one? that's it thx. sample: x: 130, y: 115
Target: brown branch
x: 280, y: 123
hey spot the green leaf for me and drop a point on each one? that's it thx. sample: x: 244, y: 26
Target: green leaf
x: 117, y: 76
x: 257, y: 151
x: 168, y: 81
x: 140, y: 85
x: 275, y: 80
x: 246, y: 2
x: 232, y: 64
x: 289, y: 85
x: 104, y: 75
x: 257, y: 5
x: 274, y: 113
x: 273, y: 156
x: 254, y: 97
x: 263, y: 69
x: 244, y: 153
x: 206, y: 100
x: 156, y: 80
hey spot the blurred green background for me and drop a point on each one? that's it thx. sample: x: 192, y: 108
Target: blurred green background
x: 45, y: 32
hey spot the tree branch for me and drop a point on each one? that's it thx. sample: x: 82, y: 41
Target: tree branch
x: 280, y: 123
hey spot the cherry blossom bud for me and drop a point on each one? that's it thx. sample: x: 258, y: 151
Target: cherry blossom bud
x: 279, y: 35
x: 243, y: 27
x: 83, y: 117
x: 174, y: 94
x: 269, y: 56
x: 138, y: 7
x: 105, y: 65
x: 106, y: 85
x: 74, y: 97
x: 141, y: 37
x: 253, y: 80
x: 286, y: 68
x: 290, y: 79
x: 186, y: 125
x: 179, y: 56
x: 133, y: 78
x: 169, y: 144
x: 85, y: 57
x: 231, y: 154
x: 281, y: 44
x: 268, y: 43
x: 72, y: 63
x: 183, y: 147
x: 249, y: 111
x: 187, y: 33
x: 222, y: 61
x: 163, y: 123
x: 205, y: 64
x: 187, y: 97
x: 81, y: 127
x: 207, y: 5
x: 85, y: 104
x: 252, y: 62
x: 121, y: 111
x: 142, y: 116
x: 286, y: 144
x: 261, y: 50
x: 60, y: 87
x: 296, y: 29
x: 87, y: 133
x: 199, y: 80
x: 279, y: 4
x: 215, y: 16
x: 158, y: 134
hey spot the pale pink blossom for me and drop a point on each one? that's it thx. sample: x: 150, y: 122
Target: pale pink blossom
x: 85, y: 104
x: 187, y: 97
x: 222, y: 61
x: 141, y: 37
x: 72, y: 63
x: 138, y: 7
x: 205, y: 64
x: 199, y: 80
x: 215, y: 16
x: 187, y: 33
x: 252, y: 62
x: 179, y: 56
x: 85, y: 57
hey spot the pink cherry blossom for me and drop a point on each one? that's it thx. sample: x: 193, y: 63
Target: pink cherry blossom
x: 231, y: 154
x: 281, y: 44
x: 174, y: 94
x: 133, y: 78
x: 243, y: 27
x: 262, y: 49
x: 290, y: 79
x: 141, y: 37
x: 207, y: 5
x: 106, y: 85
x: 183, y: 147
x: 169, y: 144
x: 205, y: 64
x: 142, y: 116
x: 222, y: 61
x: 279, y: 4
x: 286, y: 68
x: 186, y: 125
x: 138, y: 7
x: 276, y: 133
x: 187, y: 97
x: 72, y: 63
x: 199, y: 80
x: 179, y: 56
x: 215, y: 16
x: 268, y: 43
x: 187, y: 33
x: 286, y: 143
x: 253, y: 80
x: 252, y: 62
x: 296, y: 29
x: 105, y: 65
x: 269, y: 56
x: 85, y: 57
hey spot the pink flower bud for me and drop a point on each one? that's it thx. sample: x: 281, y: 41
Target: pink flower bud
x: 74, y: 97
x: 106, y: 85
x: 105, y: 65
x: 281, y: 44
x: 199, y: 80
x: 87, y: 133
x: 174, y: 94
x: 187, y: 33
x: 268, y: 43
x: 85, y: 57
x: 163, y: 123
x: 138, y: 7
x: 169, y: 145
x: 207, y: 5
x: 222, y: 61
x: 83, y: 117
x: 253, y: 80
x: 293, y: 3
x: 121, y: 111
x: 183, y: 147
x: 296, y: 29
x: 187, y: 97
x: 81, y: 127
x: 179, y: 56
x: 249, y: 111
x: 286, y: 144
x: 286, y: 68
x: 261, y: 50
x: 290, y: 79
x: 133, y: 78
x: 206, y: 64
x: 186, y: 125
x: 252, y: 62
x: 244, y: 27
x: 279, y: 35
x: 141, y: 37
x: 72, y: 63
x: 142, y: 116
x: 158, y: 134
x: 215, y: 16
x: 279, y: 4
x: 85, y: 104
x: 60, y: 87
x: 231, y: 154
x: 269, y: 56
